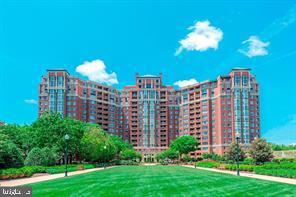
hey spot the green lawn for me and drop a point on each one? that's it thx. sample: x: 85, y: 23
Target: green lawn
x: 159, y: 181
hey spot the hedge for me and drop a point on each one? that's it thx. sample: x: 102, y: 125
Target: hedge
x: 249, y: 168
x: 208, y: 164
x: 28, y: 171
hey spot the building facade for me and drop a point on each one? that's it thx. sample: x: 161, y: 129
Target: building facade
x: 150, y: 115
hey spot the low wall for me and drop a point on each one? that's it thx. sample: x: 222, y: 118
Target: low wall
x: 285, y: 154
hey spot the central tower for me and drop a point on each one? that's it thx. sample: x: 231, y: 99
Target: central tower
x: 151, y: 111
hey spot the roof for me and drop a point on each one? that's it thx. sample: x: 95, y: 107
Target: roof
x: 149, y: 76
x: 57, y: 69
x: 239, y: 68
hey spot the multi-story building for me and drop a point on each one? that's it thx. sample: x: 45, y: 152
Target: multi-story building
x: 83, y: 100
x: 150, y: 115
x: 216, y: 111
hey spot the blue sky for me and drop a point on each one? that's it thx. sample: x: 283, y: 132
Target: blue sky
x: 182, y: 39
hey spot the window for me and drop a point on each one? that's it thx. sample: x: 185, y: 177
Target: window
x: 245, y: 80
x: 60, y: 81
x: 51, y: 81
x: 237, y: 80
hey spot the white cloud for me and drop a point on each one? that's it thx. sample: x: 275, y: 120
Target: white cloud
x: 254, y: 47
x: 31, y: 101
x: 183, y: 83
x: 96, y: 71
x: 202, y: 37
x: 283, y: 134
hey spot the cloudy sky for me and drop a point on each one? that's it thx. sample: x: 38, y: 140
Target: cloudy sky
x: 188, y: 41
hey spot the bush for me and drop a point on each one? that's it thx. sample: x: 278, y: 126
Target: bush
x: 27, y: 171
x: 211, y: 156
x: 277, y: 169
x: 186, y: 158
x: 164, y: 162
x: 70, y: 168
x: 283, y: 160
x: 288, y: 173
x: 208, y: 164
x: 128, y: 162
x: 248, y: 161
x: 41, y: 157
x: 278, y: 166
x: 249, y: 168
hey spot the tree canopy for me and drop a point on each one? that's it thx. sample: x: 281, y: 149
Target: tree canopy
x: 261, y: 151
x: 184, y: 144
x: 232, y: 152
x: 43, y: 142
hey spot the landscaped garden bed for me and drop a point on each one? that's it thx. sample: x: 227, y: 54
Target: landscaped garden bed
x: 274, y: 168
x: 28, y: 171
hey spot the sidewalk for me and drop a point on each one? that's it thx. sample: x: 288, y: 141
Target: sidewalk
x: 23, y: 181
x: 249, y: 175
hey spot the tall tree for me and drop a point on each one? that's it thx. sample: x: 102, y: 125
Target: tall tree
x: 184, y: 144
x: 232, y: 152
x: 51, y: 129
x: 96, y: 145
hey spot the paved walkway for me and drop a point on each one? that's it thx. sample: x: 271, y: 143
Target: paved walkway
x: 23, y: 181
x: 250, y: 175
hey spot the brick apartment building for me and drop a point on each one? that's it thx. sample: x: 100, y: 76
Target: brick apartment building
x: 150, y: 115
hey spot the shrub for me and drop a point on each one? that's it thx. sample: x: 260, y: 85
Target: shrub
x: 211, y: 156
x: 283, y: 160
x: 70, y: 168
x: 248, y: 161
x: 164, y: 162
x: 27, y: 171
x: 41, y: 157
x: 128, y: 162
x: 278, y: 166
x: 208, y: 164
x: 249, y: 168
x: 289, y: 173
x: 277, y: 169
x: 186, y: 158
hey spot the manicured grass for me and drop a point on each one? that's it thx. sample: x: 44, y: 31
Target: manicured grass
x: 159, y: 181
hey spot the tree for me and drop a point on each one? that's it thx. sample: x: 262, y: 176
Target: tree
x: 50, y: 130
x: 260, y: 151
x: 41, y: 157
x: 279, y: 147
x: 184, y: 144
x: 93, y: 145
x: 120, y: 144
x: 167, y: 154
x: 232, y: 152
x: 130, y: 154
x: 10, y: 155
x: 21, y: 136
